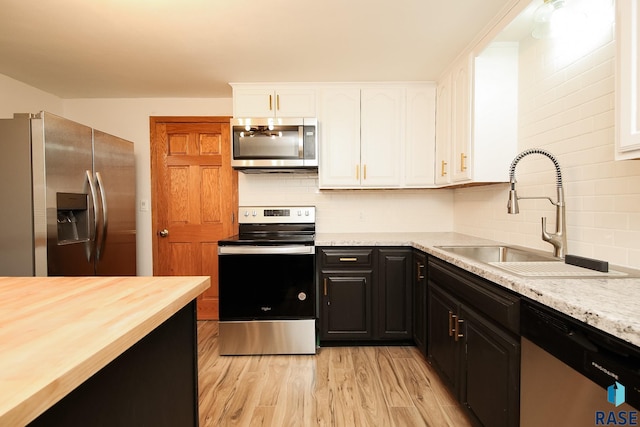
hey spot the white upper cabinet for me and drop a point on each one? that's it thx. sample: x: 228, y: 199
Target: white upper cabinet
x: 257, y: 100
x: 339, y: 121
x: 420, y: 135
x: 382, y: 133
x: 461, y: 120
x: 477, y: 117
x: 376, y: 135
x: 627, y: 80
x: 442, y: 164
x: 495, y: 113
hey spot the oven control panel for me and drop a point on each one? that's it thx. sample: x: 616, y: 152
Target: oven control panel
x: 276, y: 214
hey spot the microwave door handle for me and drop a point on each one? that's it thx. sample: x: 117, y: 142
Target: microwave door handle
x: 301, y: 142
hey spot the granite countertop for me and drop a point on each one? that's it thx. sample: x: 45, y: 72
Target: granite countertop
x: 609, y: 304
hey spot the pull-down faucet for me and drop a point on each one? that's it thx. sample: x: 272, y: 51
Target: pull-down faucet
x: 559, y: 238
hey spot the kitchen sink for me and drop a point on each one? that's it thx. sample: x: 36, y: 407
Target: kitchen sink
x: 498, y: 253
x: 525, y: 262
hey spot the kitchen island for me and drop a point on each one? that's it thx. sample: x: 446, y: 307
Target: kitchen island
x: 111, y: 348
x: 609, y: 304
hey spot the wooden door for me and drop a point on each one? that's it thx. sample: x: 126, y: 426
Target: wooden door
x: 195, y: 199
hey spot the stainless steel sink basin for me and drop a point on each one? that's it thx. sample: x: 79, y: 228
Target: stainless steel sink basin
x: 488, y: 254
x: 528, y: 263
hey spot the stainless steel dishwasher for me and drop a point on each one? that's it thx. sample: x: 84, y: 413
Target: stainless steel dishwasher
x: 572, y: 373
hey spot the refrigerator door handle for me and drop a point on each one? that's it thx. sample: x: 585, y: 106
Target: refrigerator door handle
x: 90, y: 244
x: 105, y: 221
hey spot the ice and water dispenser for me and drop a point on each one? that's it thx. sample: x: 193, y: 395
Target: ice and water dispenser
x: 73, y: 218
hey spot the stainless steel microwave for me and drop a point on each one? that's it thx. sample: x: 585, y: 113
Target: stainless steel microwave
x: 276, y: 144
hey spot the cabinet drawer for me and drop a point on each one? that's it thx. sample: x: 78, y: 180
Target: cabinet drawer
x: 485, y: 297
x: 346, y: 257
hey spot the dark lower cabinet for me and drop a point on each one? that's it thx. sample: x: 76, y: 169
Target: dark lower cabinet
x: 420, y: 300
x: 474, y: 344
x: 346, y: 311
x: 444, y: 350
x: 490, y: 389
x: 395, y: 309
x: 365, y: 294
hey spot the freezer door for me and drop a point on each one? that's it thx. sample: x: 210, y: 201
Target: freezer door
x: 16, y: 220
x: 114, y: 169
x: 63, y: 189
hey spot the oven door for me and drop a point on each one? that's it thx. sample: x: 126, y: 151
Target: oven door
x: 266, y: 282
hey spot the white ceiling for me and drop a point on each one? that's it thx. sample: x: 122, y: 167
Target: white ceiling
x: 194, y: 48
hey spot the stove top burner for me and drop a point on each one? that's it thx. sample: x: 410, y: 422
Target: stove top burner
x: 274, y: 226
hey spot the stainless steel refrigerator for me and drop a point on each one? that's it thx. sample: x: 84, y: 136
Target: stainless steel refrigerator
x: 67, y: 199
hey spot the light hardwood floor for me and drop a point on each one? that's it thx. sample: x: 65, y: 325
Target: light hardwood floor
x: 340, y: 386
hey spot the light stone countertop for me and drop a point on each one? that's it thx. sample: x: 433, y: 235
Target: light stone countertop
x: 609, y: 304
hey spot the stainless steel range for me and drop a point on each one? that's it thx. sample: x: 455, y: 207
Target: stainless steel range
x: 267, y: 282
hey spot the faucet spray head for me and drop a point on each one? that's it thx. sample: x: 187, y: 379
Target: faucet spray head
x: 512, y: 204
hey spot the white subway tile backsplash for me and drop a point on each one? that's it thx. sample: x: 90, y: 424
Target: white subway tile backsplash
x: 568, y: 109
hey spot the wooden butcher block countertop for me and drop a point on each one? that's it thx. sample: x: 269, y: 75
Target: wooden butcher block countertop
x: 56, y: 332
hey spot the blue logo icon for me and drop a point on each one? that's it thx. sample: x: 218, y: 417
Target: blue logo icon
x: 615, y: 394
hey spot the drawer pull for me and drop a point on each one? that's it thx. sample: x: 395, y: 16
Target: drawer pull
x: 344, y: 259
x: 463, y: 167
x: 420, y: 275
x: 451, y: 319
x: 457, y: 335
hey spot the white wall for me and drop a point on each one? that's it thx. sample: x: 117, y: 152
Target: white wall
x: 566, y: 106
x: 17, y: 97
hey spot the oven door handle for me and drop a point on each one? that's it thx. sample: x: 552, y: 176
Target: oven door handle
x: 266, y: 250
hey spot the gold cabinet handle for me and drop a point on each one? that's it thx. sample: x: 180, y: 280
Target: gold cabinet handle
x: 345, y: 259
x: 463, y: 167
x: 443, y: 168
x: 270, y: 103
x: 365, y: 172
x: 325, y: 286
x: 457, y: 335
x: 278, y: 102
x: 357, y: 172
x: 452, y: 317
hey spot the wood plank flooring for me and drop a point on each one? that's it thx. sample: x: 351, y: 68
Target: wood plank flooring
x: 340, y: 386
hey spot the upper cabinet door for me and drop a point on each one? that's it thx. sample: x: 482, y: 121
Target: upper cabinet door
x: 461, y: 119
x: 270, y: 101
x: 420, y: 136
x: 382, y: 127
x: 627, y: 80
x: 339, y: 121
x: 443, y: 132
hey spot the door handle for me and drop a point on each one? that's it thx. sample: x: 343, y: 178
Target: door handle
x: 105, y: 218
x: 163, y: 233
